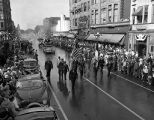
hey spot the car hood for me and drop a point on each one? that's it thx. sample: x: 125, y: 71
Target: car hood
x: 31, y: 90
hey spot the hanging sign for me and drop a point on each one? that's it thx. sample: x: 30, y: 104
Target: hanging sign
x: 140, y: 37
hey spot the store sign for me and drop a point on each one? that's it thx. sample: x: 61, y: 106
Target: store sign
x: 140, y: 37
x: 141, y: 27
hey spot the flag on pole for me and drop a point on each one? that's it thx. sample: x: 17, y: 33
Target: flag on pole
x: 76, y: 53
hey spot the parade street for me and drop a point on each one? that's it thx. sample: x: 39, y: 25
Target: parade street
x: 101, y: 98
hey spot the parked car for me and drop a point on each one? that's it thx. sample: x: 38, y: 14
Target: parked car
x: 32, y: 88
x: 31, y: 65
x: 33, y: 98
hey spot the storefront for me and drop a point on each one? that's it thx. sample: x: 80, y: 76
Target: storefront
x: 141, y: 39
x: 116, y: 34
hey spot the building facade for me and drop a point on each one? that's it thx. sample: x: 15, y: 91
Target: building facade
x: 80, y: 16
x: 63, y: 24
x: 6, y: 23
x: 110, y: 19
x: 142, y: 22
x: 5, y: 16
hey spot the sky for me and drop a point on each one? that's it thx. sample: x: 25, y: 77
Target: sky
x: 29, y: 13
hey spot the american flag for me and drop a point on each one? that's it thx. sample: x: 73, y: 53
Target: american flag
x: 76, y: 53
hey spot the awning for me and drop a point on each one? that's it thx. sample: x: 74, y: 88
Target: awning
x: 56, y: 34
x: 139, y: 11
x: 112, y: 38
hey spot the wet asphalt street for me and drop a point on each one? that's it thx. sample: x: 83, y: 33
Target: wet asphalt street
x: 100, y: 98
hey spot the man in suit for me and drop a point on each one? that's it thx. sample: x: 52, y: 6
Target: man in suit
x: 48, y: 67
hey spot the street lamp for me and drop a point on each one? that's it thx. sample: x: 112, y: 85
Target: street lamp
x: 97, y: 35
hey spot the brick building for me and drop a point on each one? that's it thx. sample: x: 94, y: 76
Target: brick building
x: 142, y: 22
x: 110, y: 19
x: 80, y: 16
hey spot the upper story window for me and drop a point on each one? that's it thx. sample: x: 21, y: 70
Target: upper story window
x: 141, y: 14
x: 103, y: 15
x: 96, y: 17
x: 88, y: 5
x: 145, y: 20
x: 110, y: 13
x: 92, y: 17
x: 152, y: 14
x: 115, y: 13
x: 82, y: 7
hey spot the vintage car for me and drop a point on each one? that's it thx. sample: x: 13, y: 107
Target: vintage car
x: 33, y: 98
x: 31, y: 65
x: 48, y: 50
x: 32, y: 88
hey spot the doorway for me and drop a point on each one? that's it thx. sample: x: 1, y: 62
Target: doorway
x: 142, y: 50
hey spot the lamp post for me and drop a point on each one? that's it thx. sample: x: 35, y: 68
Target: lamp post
x: 97, y: 35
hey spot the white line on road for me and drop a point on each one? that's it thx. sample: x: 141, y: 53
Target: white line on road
x: 133, y: 82
x: 57, y: 101
x: 115, y: 100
